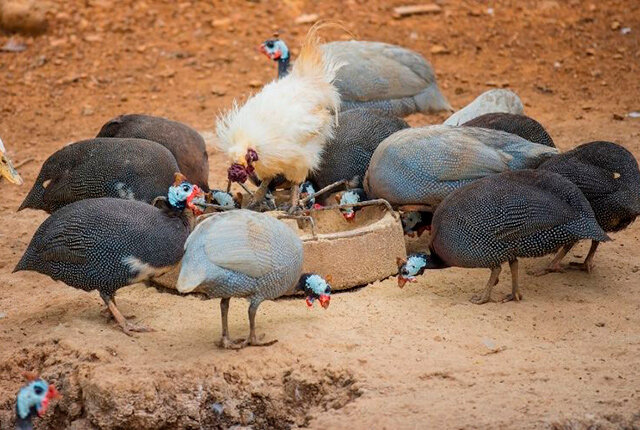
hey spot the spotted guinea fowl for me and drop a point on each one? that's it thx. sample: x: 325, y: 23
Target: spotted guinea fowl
x: 376, y: 75
x: 105, y: 244
x: 33, y: 400
x: 347, y: 155
x: 186, y: 144
x: 608, y: 176
x: 249, y: 255
x: 522, y: 125
x: 6, y: 167
x: 496, y: 100
x: 420, y: 166
x: 500, y: 218
x: 134, y: 169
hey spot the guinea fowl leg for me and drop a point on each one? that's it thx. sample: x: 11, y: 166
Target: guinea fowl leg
x: 126, y: 326
x: 106, y: 312
x: 253, y: 339
x: 554, y: 266
x: 587, y: 266
x: 225, y: 341
x: 486, y: 295
x: 515, y: 294
x: 295, y: 199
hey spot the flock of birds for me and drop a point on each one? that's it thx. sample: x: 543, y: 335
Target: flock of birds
x: 489, y: 184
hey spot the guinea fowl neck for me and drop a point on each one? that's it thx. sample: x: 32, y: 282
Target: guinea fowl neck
x: 283, y: 67
x: 434, y: 261
x: 25, y: 423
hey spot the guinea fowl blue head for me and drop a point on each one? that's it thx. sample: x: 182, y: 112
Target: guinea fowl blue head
x: 33, y: 399
x: 315, y: 287
x: 6, y: 167
x: 278, y: 51
x: 224, y: 199
x: 350, y: 197
x: 183, y: 194
x: 413, y: 266
x: 306, y: 189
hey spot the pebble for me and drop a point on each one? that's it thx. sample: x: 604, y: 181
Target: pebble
x: 420, y: 9
x: 307, y: 18
x: 615, y: 25
x: 439, y: 50
x: 254, y: 83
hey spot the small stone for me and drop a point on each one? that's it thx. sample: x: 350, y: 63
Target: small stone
x: 307, y: 18
x: 617, y: 56
x: 439, y: 50
x: 625, y: 30
x: 169, y: 73
x: 599, y: 324
x: 218, y: 91
x: 58, y: 42
x: 634, y: 114
x: 420, y: 9
x: 615, y: 25
x: 91, y: 38
x: 87, y: 111
x: 13, y: 46
x: 218, y: 408
x: 255, y: 83
x: 222, y: 22
x: 618, y: 117
x: 590, y: 51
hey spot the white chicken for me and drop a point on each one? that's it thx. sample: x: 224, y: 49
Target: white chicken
x: 284, y: 128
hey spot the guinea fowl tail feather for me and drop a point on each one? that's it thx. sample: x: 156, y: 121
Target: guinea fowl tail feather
x: 589, y: 230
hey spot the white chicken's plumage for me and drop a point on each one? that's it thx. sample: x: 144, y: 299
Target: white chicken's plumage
x: 289, y: 122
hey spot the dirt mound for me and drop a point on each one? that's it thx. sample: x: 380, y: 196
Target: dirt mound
x: 98, y: 394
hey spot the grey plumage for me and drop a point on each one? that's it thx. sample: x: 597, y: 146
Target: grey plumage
x: 185, y: 143
x: 241, y: 254
x: 388, y: 77
x: 134, y: 169
x: 358, y: 134
x: 496, y: 100
x: 105, y: 244
x: 522, y: 125
x: 421, y: 166
x: 500, y: 218
x: 608, y: 176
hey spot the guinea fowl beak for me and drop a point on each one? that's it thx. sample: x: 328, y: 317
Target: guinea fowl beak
x: 401, y: 281
x: 350, y: 216
x: 8, y: 171
x: 324, y: 300
x: 196, y: 193
x: 52, y: 393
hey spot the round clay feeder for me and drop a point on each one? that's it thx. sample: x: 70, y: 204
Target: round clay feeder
x: 354, y: 253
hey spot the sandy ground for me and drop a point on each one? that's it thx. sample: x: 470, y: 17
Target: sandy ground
x: 379, y: 357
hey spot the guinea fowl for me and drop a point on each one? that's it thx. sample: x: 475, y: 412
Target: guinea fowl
x: 347, y: 155
x: 376, y: 75
x: 6, y: 167
x: 248, y: 255
x: 105, y: 244
x: 500, y: 218
x: 356, y: 195
x: 134, y: 169
x: 522, y: 125
x: 420, y: 166
x: 289, y: 143
x: 33, y: 400
x: 608, y: 176
x: 185, y: 143
x: 496, y: 100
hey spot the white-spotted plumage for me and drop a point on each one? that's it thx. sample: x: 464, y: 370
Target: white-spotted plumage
x: 289, y: 122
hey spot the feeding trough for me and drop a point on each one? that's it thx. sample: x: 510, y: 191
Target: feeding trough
x: 354, y: 253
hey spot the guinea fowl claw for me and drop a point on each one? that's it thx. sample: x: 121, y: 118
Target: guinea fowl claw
x: 547, y: 270
x: 479, y: 299
x: 511, y: 297
x: 586, y: 267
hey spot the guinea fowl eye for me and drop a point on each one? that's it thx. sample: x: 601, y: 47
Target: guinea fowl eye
x: 327, y: 291
x: 185, y: 187
x: 38, y: 390
x: 270, y: 44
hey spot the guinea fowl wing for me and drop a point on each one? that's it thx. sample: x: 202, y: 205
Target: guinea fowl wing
x: 594, y: 181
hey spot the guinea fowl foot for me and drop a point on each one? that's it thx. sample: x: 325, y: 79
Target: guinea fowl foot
x: 129, y: 328
x: 586, y: 267
x: 479, y: 299
x: 549, y: 269
x: 512, y: 298
x: 243, y: 343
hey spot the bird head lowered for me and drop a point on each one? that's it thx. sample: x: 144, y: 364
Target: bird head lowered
x: 243, y: 165
x: 226, y: 200
x: 183, y: 194
x: 6, y: 167
x: 33, y: 399
x: 413, y: 266
x: 307, y: 189
x: 346, y: 198
x: 315, y: 287
x: 275, y: 49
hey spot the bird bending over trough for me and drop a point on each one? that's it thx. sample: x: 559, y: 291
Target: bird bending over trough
x: 249, y: 255
x: 185, y: 143
x: 608, y: 176
x: 375, y: 75
x: 284, y: 128
x: 33, y: 400
x: 105, y: 244
x: 521, y: 125
x: 6, y: 167
x: 500, y: 218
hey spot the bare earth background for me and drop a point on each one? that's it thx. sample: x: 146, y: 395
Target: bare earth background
x: 568, y: 356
